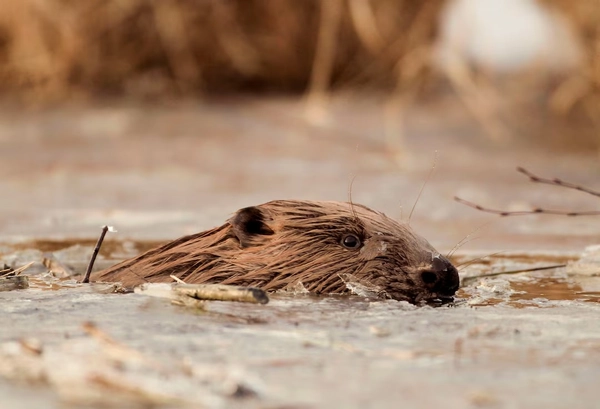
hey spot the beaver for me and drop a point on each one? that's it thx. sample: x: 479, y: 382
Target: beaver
x: 286, y: 243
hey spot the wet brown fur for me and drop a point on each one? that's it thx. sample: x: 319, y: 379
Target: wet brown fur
x: 282, y: 243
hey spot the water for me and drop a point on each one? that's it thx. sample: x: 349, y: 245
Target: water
x: 299, y: 350
x: 522, y: 340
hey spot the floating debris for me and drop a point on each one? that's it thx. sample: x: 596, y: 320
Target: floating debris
x: 10, y: 279
x: 194, y: 295
x: 362, y: 287
x: 57, y: 268
x: 14, y: 283
x: 98, y: 370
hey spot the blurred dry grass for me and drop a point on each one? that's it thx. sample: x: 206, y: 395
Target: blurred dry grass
x: 579, y: 94
x: 57, y: 47
x: 60, y: 49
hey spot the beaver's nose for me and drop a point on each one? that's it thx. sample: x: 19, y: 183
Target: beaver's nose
x: 442, y: 277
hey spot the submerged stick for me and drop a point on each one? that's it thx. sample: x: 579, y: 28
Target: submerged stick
x: 527, y: 270
x: 105, y: 229
x: 220, y: 292
x: 194, y: 295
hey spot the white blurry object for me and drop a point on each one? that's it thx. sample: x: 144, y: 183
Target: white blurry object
x: 585, y: 272
x: 505, y: 36
x: 588, y: 264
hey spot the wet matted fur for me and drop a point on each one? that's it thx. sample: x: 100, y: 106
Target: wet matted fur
x: 284, y: 243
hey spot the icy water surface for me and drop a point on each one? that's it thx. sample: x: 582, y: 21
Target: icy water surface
x: 81, y: 345
x: 527, y: 340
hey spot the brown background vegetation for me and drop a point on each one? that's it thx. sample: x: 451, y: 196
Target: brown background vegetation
x: 64, y: 49
x: 191, y: 46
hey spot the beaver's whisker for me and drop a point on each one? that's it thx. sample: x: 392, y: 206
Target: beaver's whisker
x: 464, y: 240
x: 469, y: 262
x: 423, y: 186
x: 350, y: 197
x: 462, y: 244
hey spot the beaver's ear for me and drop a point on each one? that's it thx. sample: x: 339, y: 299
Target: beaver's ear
x: 248, y: 223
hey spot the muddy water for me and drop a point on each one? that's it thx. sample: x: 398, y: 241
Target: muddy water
x: 528, y: 340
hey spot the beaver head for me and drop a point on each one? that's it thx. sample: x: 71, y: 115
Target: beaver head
x: 325, y: 246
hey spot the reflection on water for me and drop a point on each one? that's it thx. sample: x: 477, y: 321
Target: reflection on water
x: 533, y: 292
x: 552, y: 289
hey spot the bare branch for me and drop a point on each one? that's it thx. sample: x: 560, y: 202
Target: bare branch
x: 526, y: 212
x: 467, y: 280
x: 556, y: 182
x: 105, y: 229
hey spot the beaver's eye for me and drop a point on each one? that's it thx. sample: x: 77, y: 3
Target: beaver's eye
x: 351, y: 241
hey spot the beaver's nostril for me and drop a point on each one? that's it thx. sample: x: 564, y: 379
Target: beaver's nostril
x: 428, y: 277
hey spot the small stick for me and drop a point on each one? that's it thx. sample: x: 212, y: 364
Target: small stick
x: 7, y: 272
x: 556, y: 182
x: 177, y: 279
x: 105, y: 229
x: 219, y: 292
x: 525, y: 212
x: 527, y: 270
x: 11, y: 272
x: 469, y: 262
x: 538, y: 210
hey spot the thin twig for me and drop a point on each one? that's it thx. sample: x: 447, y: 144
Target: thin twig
x: 12, y: 280
x: 177, y: 279
x: 539, y: 210
x: 6, y: 272
x: 557, y: 182
x: 527, y: 270
x: 86, y: 279
x: 525, y: 212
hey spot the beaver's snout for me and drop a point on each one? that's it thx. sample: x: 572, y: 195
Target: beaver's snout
x: 442, y: 278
